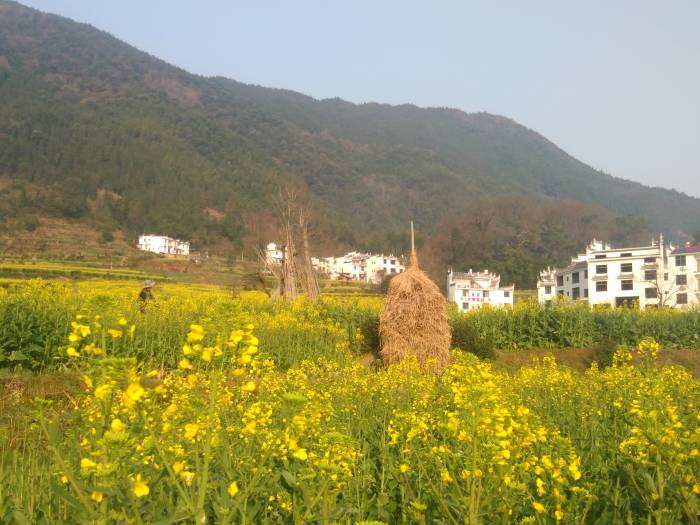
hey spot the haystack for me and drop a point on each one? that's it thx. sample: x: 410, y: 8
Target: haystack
x: 414, y: 319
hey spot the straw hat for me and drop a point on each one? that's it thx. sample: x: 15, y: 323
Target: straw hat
x: 149, y: 284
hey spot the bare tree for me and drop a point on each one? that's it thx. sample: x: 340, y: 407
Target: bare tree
x: 665, y: 288
x: 309, y: 283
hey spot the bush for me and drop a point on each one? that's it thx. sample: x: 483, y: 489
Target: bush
x: 466, y: 337
x: 107, y: 236
x: 604, y: 351
x: 369, y: 330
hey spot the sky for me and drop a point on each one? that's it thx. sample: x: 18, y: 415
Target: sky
x: 616, y: 84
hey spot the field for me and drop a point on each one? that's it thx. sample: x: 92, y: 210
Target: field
x: 227, y: 407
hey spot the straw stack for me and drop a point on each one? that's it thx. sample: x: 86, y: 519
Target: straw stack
x: 414, y: 319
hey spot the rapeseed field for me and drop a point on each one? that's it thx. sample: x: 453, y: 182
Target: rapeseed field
x: 219, y: 408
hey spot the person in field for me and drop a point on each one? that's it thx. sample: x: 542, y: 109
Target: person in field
x: 146, y: 295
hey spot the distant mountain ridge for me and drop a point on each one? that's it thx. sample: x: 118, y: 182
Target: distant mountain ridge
x: 85, y: 115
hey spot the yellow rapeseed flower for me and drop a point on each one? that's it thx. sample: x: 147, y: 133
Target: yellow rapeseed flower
x: 185, y: 364
x: 96, y: 496
x: 301, y: 454
x: 117, y: 425
x: 191, y: 430
x: 233, y: 489
x: 538, y: 506
x: 249, y: 386
x: 72, y: 352
x: 140, y: 487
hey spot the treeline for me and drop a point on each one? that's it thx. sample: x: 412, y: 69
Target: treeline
x: 519, y: 235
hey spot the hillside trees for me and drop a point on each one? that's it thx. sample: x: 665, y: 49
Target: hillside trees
x: 517, y: 236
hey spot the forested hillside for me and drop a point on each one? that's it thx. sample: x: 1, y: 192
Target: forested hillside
x: 95, y: 130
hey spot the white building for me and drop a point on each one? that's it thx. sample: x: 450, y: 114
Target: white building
x: 648, y: 276
x: 163, y: 245
x: 470, y: 290
x: 357, y: 266
x: 686, y: 269
x: 273, y: 253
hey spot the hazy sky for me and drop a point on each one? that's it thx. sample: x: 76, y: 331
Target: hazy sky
x: 614, y: 83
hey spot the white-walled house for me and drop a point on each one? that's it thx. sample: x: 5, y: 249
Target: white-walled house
x: 273, y: 253
x: 470, y: 290
x: 357, y: 266
x: 648, y: 276
x: 163, y: 245
x: 685, y: 262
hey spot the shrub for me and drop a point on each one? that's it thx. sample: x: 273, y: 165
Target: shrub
x: 466, y: 337
x: 604, y: 351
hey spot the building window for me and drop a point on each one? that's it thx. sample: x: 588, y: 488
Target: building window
x: 547, y: 290
x: 575, y: 292
x: 567, y: 278
x: 682, y: 298
x: 506, y: 294
x: 649, y: 260
x: 585, y: 292
x: 650, y: 293
x: 465, y: 306
x: 601, y: 256
x: 682, y: 279
x: 585, y: 274
x: 575, y: 278
x: 626, y: 254
x: 601, y: 269
x: 560, y: 280
x: 650, y: 275
x: 626, y: 267
x: 486, y: 293
x: 680, y: 260
x: 627, y: 285
x: 601, y: 286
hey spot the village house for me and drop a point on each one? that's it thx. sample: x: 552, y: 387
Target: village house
x: 273, y: 254
x: 648, y: 276
x: 357, y: 266
x: 470, y: 290
x: 163, y: 245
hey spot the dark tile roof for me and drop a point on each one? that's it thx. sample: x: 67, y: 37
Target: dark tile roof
x: 688, y: 248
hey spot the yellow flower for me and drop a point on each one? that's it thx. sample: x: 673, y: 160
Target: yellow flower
x: 185, y: 364
x: 187, y: 477
x: 233, y: 489
x: 140, y: 487
x: 88, y: 382
x: 122, y: 321
x: 72, y: 352
x: 538, y: 506
x: 559, y: 515
x: 445, y: 477
x: 96, y: 496
x: 114, y: 334
x: 64, y: 479
x: 191, y: 430
x: 102, y: 391
x: 87, y: 463
x: 301, y: 454
x: 249, y: 386
x: 696, y: 488
x: 178, y: 467
x: 135, y: 391
x: 206, y: 355
x: 117, y: 425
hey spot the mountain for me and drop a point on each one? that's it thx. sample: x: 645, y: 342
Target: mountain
x: 95, y: 130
